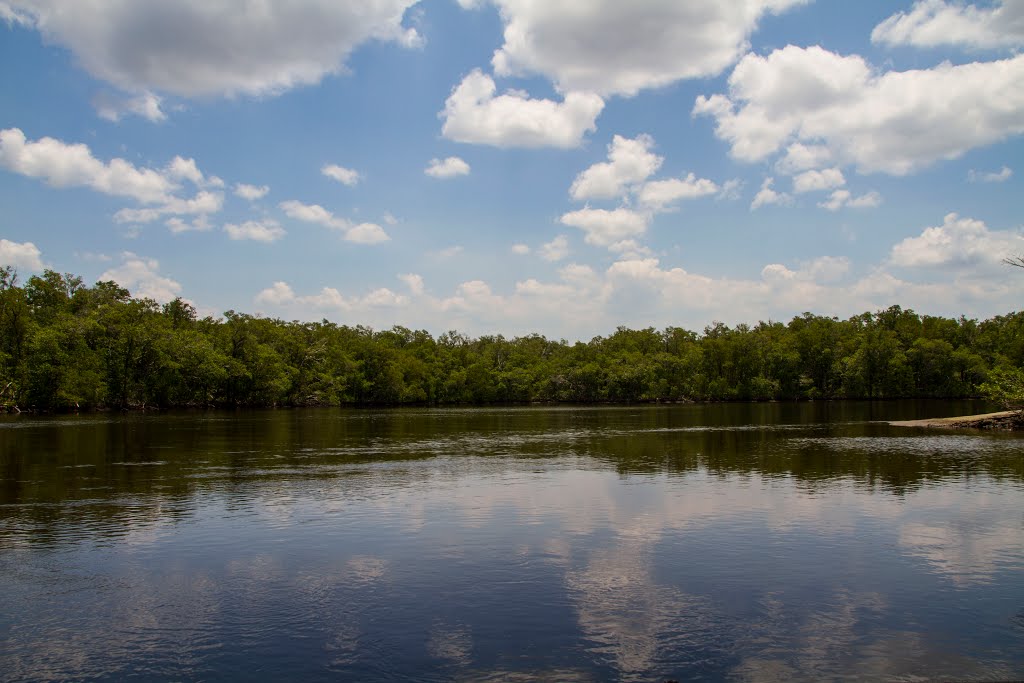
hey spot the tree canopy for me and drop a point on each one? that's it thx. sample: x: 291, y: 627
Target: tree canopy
x: 64, y: 345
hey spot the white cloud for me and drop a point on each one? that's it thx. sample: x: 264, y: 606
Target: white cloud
x: 114, y: 107
x: 603, y: 227
x: 730, y: 190
x: 1000, y: 176
x: 73, y: 165
x: 366, y: 233
x: 766, y: 195
x: 141, y: 276
x: 630, y: 161
x: 630, y: 249
x: 801, y: 157
x: 185, y: 169
x: 92, y: 256
x: 204, y: 202
x: 661, y: 194
x: 821, y: 269
x: 555, y: 250
x: 277, y: 294
x: 614, y: 47
x: 213, y: 47
x: 313, y: 213
x: 199, y: 223
x: 843, y: 198
x: 329, y: 298
x: 474, y: 114
x: 447, y: 168
x: 638, y: 291
x: 872, y: 120
x: 265, y: 230
x: 520, y: 249
x: 815, y: 181
x: 447, y: 252
x: 251, y: 192
x: 413, y: 282
x: 345, y: 176
x: 362, y: 233
x: 935, y: 23
x: 958, y: 242
x: 21, y: 256
x: 64, y: 165
x: 826, y: 268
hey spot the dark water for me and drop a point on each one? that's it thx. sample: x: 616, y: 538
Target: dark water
x: 739, y: 542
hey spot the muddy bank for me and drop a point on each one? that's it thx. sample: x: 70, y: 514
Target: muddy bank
x: 1007, y: 420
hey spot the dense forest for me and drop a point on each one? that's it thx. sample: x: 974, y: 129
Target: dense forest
x: 65, y: 346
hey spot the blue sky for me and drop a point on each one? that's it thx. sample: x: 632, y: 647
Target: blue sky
x: 506, y: 166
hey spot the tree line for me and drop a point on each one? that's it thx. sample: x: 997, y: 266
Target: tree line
x: 64, y: 345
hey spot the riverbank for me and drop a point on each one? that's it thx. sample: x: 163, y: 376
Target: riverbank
x: 1007, y: 420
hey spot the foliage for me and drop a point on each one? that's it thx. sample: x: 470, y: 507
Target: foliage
x: 1005, y: 386
x: 64, y: 346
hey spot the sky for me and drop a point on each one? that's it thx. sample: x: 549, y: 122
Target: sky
x: 511, y: 166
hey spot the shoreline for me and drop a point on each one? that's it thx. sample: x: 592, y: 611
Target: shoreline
x: 1006, y: 420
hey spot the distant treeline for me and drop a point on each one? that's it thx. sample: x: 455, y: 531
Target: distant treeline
x: 64, y: 345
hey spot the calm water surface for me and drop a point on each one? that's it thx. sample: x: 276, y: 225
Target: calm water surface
x: 736, y: 542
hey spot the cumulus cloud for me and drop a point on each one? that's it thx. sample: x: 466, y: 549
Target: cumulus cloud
x: 1000, y: 176
x: 366, y: 233
x: 414, y: 282
x: 22, y: 256
x: 844, y: 198
x: 613, y: 47
x: 141, y: 276
x: 361, y: 233
x: 630, y: 161
x: 841, y: 109
x: 265, y: 230
x: 935, y: 23
x: 202, y: 203
x: 73, y: 165
x: 447, y: 168
x: 473, y: 113
x: 730, y: 189
x: 958, y: 242
x: 661, y: 194
x: 800, y: 157
x: 345, y: 176
x: 213, y: 47
x: 278, y: 293
x: 604, y: 228
x: 766, y: 196
x: 555, y: 250
x: 447, y: 252
x: 114, y: 107
x: 637, y: 290
x: 521, y: 249
x: 821, y: 269
x: 815, y: 181
x: 199, y: 223
x: 61, y: 165
x: 251, y: 192
x: 329, y: 298
x: 629, y: 249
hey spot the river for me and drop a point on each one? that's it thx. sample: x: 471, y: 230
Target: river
x: 761, y: 542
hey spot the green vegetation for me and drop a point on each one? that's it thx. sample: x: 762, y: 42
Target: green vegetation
x: 64, y: 346
x: 1005, y: 385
